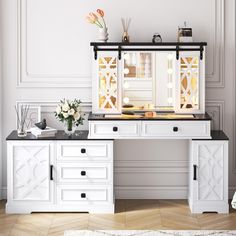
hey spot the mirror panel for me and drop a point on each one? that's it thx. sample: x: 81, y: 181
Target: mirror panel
x: 165, y: 80
x: 138, y: 79
x: 148, y: 81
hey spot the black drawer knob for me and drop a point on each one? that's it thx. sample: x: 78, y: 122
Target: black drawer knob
x: 83, y: 150
x: 175, y: 129
x: 83, y: 195
x: 83, y: 173
x: 115, y: 129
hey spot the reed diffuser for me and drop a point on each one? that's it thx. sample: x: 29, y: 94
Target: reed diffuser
x: 21, y: 118
x: 125, y: 24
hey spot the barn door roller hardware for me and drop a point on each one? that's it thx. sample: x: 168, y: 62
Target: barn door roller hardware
x: 127, y: 47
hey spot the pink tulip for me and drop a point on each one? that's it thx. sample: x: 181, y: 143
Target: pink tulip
x: 89, y: 20
x: 93, y: 16
x: 100, y: 12
x: 93, y: 19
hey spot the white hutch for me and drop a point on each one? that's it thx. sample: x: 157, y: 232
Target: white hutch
x: 139, y: 91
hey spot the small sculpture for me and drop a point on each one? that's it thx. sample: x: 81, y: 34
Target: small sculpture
x: 41, y: 125
x: 156, y: 38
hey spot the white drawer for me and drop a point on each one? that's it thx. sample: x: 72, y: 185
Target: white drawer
x: 176, y: 129
x: 86, y: 151
x: 84, y: 172
x: 114, y: 129
x: 72, y: 194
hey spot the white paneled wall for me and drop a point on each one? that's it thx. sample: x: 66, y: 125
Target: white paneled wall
x: 1, y: 90
x: 46, y: 56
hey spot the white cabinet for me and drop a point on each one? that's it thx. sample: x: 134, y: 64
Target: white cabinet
x: 29, y: 175
x: 150, y: 77
x: 60, y: 176
x: 167, y: 129
x: 84, y: 176
x: 208, y: 176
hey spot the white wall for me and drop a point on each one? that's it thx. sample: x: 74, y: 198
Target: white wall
x: 46, y: 56
x: 1, y: 174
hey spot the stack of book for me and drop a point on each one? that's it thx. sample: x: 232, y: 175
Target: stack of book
x: 43, y: 133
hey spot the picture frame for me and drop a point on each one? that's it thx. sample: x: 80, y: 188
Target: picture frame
x: 33, y: 116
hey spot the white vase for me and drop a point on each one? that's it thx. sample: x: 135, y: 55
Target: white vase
x: 103, y: 35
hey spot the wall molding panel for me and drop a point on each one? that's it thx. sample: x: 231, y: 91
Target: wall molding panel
x: 216, y: 109
x: 216, y: 78
x: 143, y: 192
x: 170, y: 192
x: 46, y: 110
x: 183, y: 164
x: 26, y: 78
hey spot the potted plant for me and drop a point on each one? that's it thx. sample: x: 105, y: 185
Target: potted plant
x: 69, y: 112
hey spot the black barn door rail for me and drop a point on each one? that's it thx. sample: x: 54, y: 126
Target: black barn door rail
x: 142, y: 46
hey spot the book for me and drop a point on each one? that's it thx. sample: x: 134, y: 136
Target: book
x: 48, y: 132
x: 44, y: 136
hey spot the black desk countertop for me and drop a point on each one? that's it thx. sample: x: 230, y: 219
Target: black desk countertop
x: 216, y: 135
x: 195, y: 117
x: 60, y: 135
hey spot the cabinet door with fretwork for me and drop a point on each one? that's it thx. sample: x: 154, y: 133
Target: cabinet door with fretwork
x: 30, y: 177
x: 106, y: 84
x: 190, y: 83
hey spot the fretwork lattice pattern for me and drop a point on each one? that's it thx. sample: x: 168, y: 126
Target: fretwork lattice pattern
x: 211, y: 172
x: 189, y: 79
x: 108, y: 83
x: 31, y: 178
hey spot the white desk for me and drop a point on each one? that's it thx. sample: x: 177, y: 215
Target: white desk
x: 208, y: 166
x: 76, y: 173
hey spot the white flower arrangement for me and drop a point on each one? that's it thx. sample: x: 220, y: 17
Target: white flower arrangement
x: 70, y: 112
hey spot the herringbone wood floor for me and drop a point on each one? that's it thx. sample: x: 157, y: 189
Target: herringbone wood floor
x: 130, y: 214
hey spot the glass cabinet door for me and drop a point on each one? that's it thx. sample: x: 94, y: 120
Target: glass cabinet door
x: 190, y: 82
x: 107, y: 86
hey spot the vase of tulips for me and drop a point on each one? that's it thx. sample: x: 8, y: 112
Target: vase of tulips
x: 98, y: 20
x: 69, y: 112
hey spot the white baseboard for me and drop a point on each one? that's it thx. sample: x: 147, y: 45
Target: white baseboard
x: 232, y: 190
x: 3, y: 192
x: 156, y: 192
x: 145, y: 192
